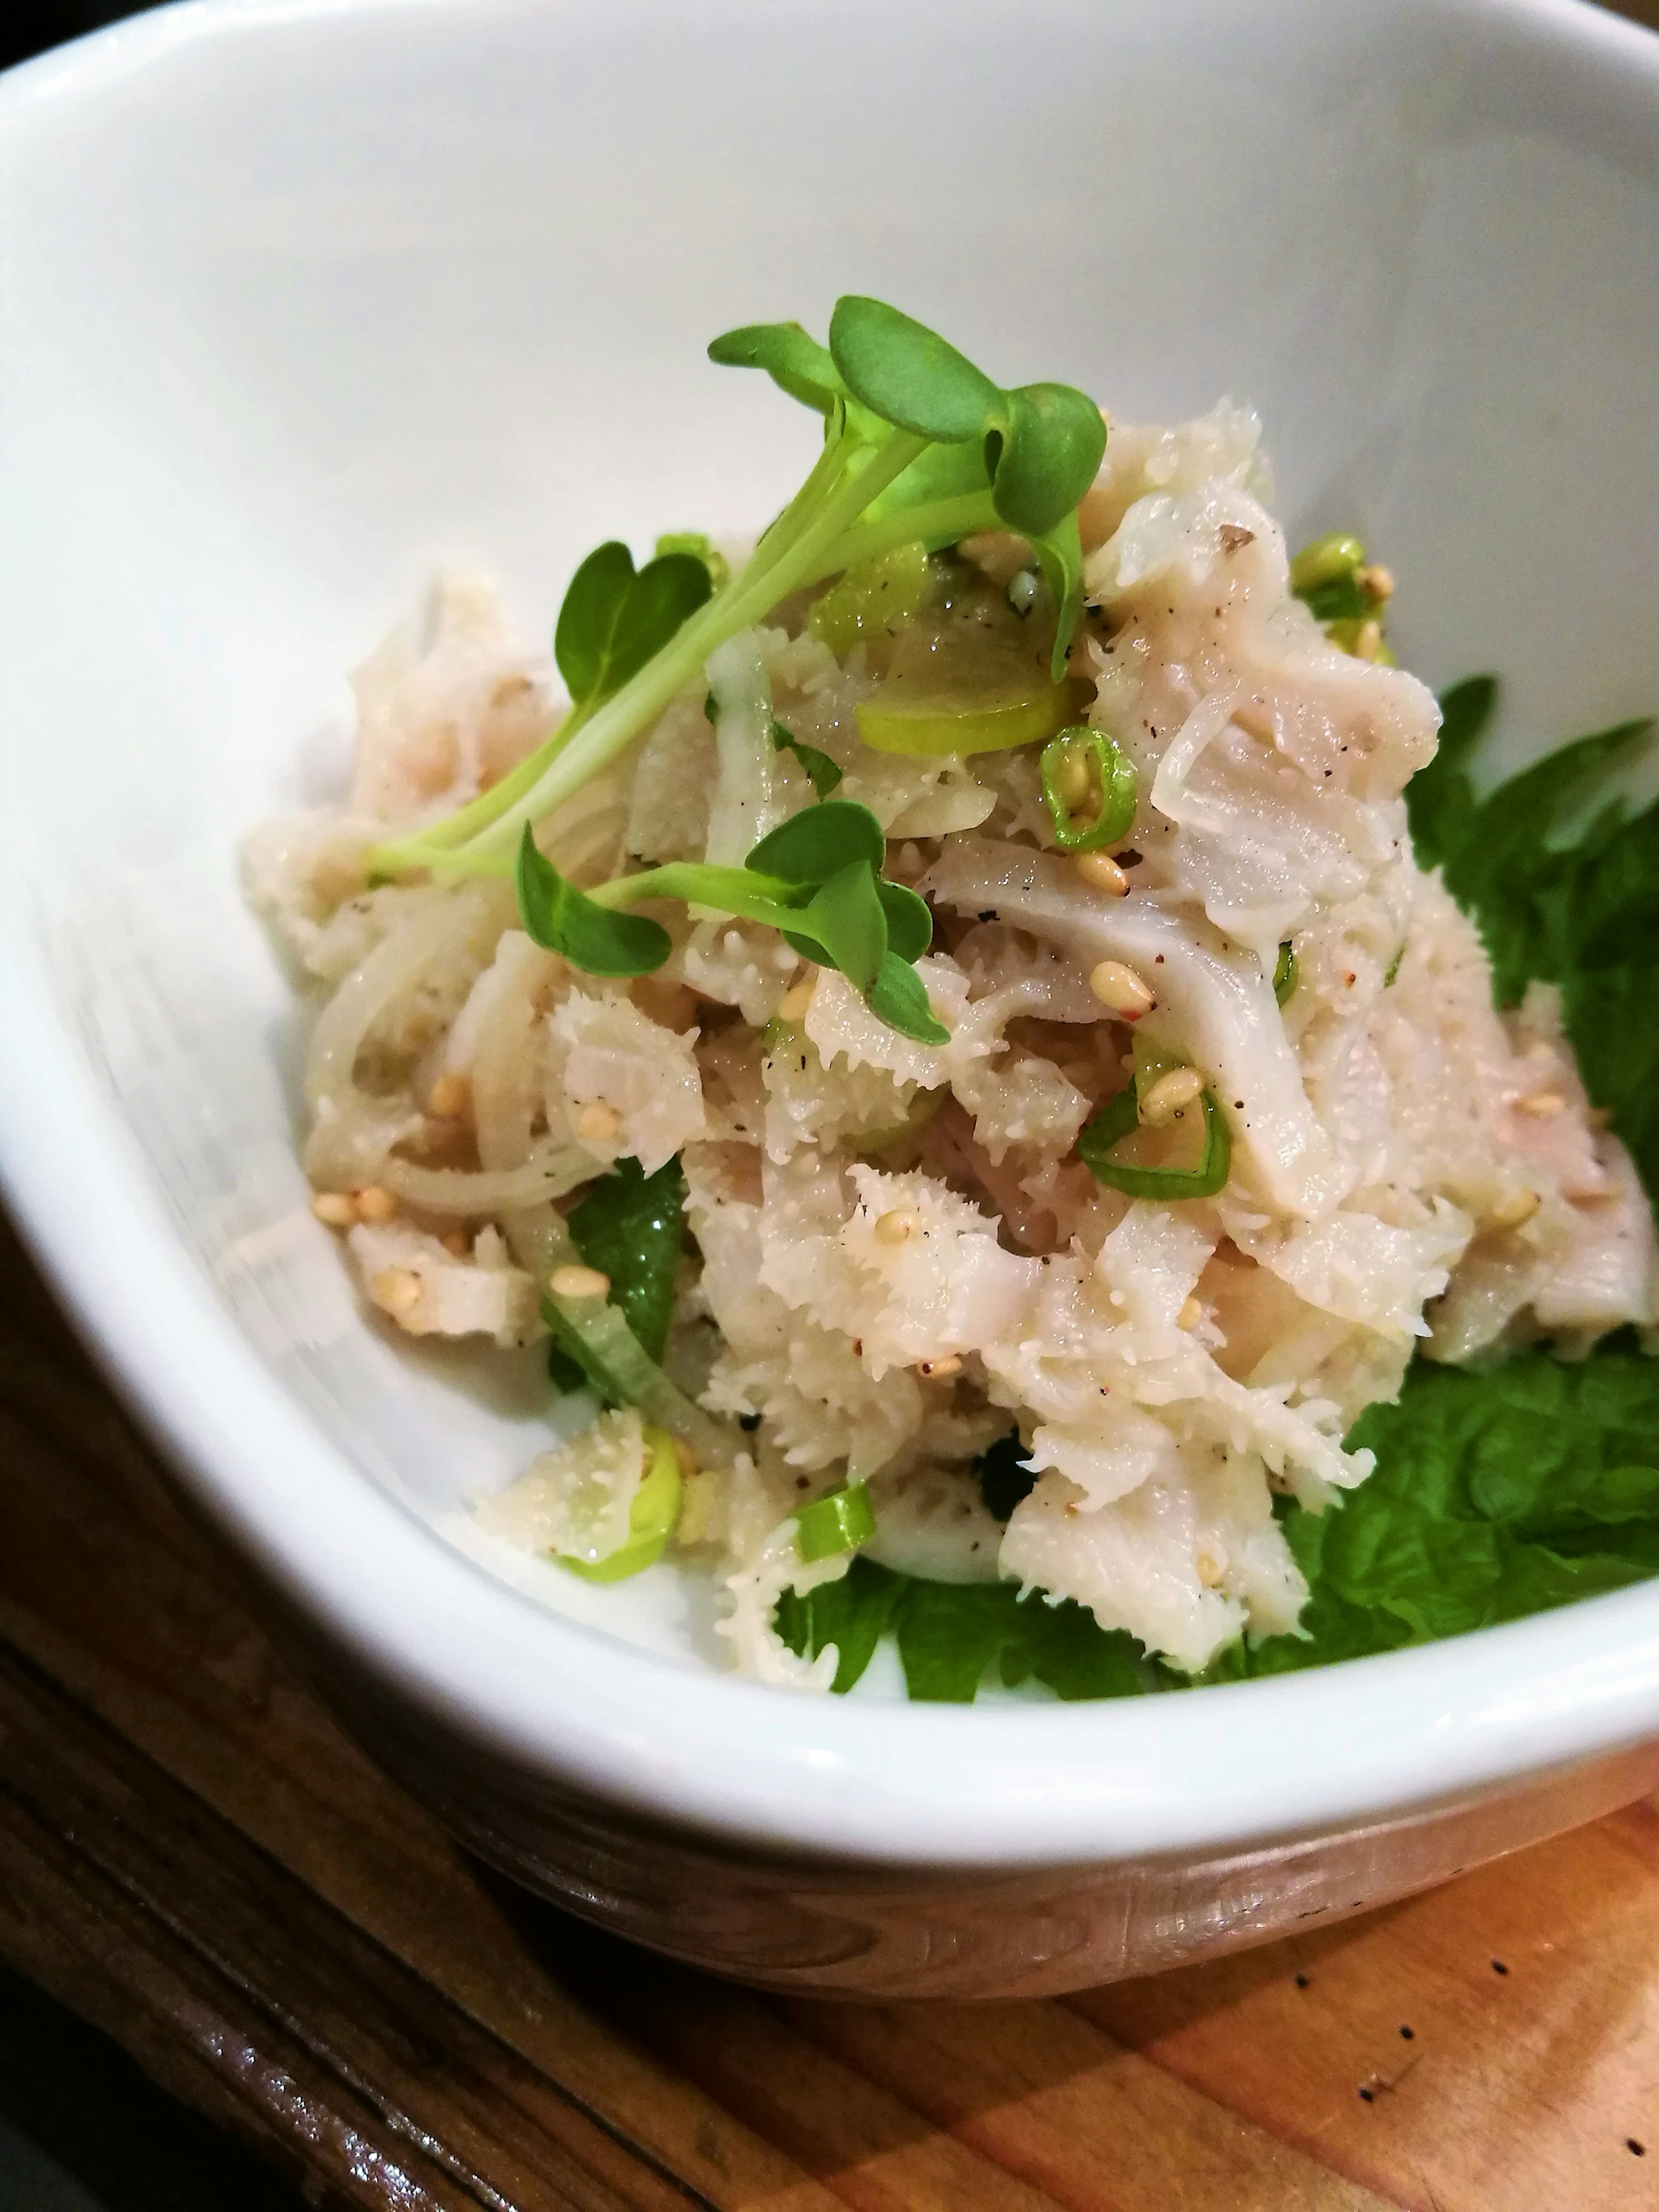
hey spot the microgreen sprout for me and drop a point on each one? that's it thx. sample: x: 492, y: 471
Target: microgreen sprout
x: 920, y: 447
x: 815, y: 879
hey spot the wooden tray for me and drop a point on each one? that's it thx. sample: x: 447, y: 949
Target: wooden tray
x: 194, y: 1858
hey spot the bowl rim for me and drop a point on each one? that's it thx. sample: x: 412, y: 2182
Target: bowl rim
x: 993, y: 1787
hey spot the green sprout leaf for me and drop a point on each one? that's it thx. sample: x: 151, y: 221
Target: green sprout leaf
x: 590, y: 937
x: 613, y: 620
x: 811, y: 847
x: 909, y: 921
x: 907, y: 374
x: 796, y: 363
x: 1042, y: 454
x: 846, y: 917
x: 899, y: 996
x: 824, y: 772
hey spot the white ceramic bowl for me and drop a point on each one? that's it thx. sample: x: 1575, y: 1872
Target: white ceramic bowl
x: 301, y: 297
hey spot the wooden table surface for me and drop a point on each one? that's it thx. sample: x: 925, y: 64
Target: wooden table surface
x: 194, y: 1858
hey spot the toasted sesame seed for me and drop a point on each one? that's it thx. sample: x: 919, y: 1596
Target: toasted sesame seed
x: 1542, y: 1103
x: 334, y: 1209
x: 597, y: 1123
x: 1167, y: 1097
x: 685, y: 1456
x: 1510, y: 1212
x: 449, y: 1097
x: 939, y: 1370
x: 1190, y: 1314
x: 578, y: 1282
x: 376, y: 1203
x: 1120, y: 990
x: 1375, y: 580
x: 396, y: 1290
x: 898, y: 1227
x: 1369, y: 642
x: 1208, y: 1569
x: 1072, y: 780
x: 793, y: 1005
x: 1102, y: 873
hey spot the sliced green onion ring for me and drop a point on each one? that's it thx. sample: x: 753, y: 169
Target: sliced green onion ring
x: 1114, y: 771
x: 838, y: 1522
x: 1285, y: 972
x: 651, y: 1518
x: 1119, y: 1117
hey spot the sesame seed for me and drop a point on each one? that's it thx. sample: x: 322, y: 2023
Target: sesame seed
x: 1208, y: 1569
x: 1375, y: 580
x: 449, y: 1097
x: 1542, y: 1104
x: 1072, y: 780
x: 1168, y: 1096
x: 597, y: 1123
x: 1120, y: 990
x: 1369, y: 643
x: 578, y: 1282
x: 939, y: 1370
x: 396, y: 1290
x: 1102, y: 873
x: 334, y: 1209
x: 685, y: 1456
x: 898, y: 1227
x: 792, y: 1006
x: 375, y: 1203
x: 1510, y: 1212
x: 1190, y: 1314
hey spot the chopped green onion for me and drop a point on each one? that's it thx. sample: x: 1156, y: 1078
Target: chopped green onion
x: 1103, y: 766
x: 1285, y: 972
x: 1120, y: 1118
x: 651, y: 1518
x: 838, y: 1522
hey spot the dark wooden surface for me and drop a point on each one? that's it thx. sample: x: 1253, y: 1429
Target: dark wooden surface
x: 193, y: 1858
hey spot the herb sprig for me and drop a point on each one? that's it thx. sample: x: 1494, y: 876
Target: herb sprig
x: 815, y: 879
x: 920, y: 447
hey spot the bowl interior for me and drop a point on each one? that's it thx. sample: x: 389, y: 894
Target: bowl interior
x: 304, y: 301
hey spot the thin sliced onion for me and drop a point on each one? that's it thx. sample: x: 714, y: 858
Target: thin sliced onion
x: 466, y: 1191
x: 396, y: 963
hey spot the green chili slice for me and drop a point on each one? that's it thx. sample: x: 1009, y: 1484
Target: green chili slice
x: 1285, y: 972
x: 651, y: 1518
x: 840, y: 1521
x: 1102, y: 763
x: 1118, y: 1118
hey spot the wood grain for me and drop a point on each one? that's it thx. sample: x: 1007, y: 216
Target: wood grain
x: 194, y: 1857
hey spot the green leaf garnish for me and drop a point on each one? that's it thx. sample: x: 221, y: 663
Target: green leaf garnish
x: 907, y: 374
x: 846, y: 917
x: 900, y: 997
x: 825, y: 774
x: 1044, y: 453
x: 909, y: 921
x: 796, y: 363
x: 591, y: 937
x: 811, y: 847
x: 631, y: 1226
